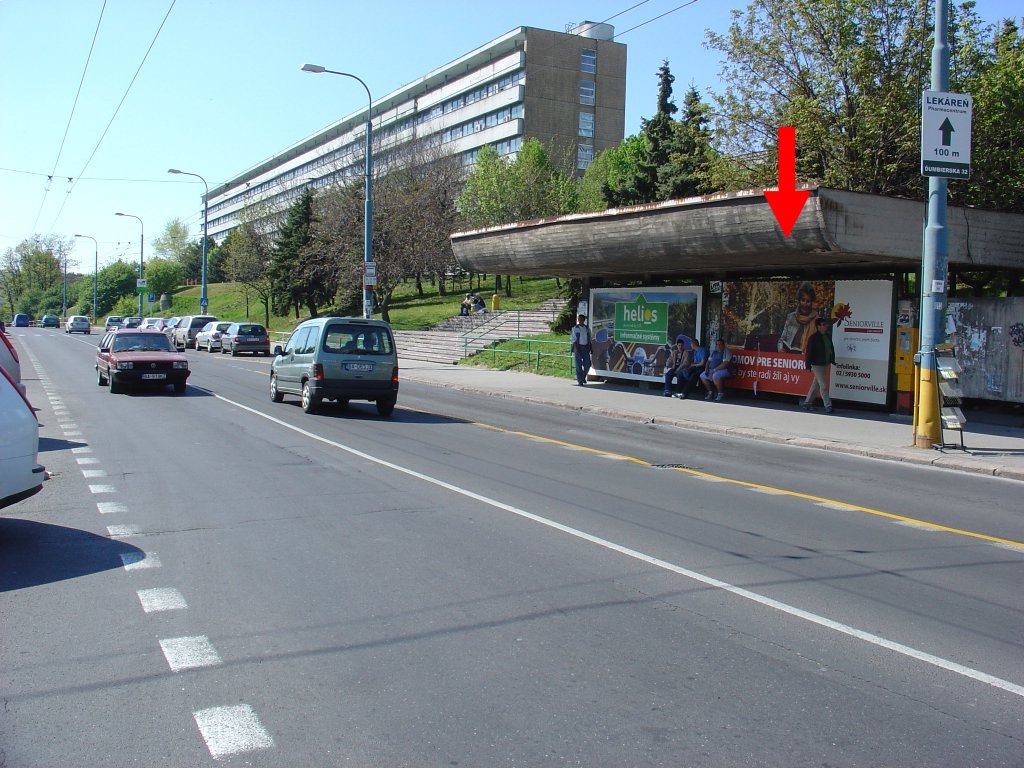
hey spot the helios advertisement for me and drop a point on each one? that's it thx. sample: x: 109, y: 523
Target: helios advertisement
x: 767, y: 324
x: 633, y: 328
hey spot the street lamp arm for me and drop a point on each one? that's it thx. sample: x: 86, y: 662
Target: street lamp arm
x: 204, y: 302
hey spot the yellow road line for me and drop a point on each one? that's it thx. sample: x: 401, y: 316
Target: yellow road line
x: 769, y: 489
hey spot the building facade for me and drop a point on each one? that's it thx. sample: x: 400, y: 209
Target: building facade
x: 567, y: 89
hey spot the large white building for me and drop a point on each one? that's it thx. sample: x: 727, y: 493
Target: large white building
x: 567, y: 89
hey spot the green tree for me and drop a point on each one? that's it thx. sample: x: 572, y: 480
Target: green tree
x: 303, y: 273
x: 686, y: 171
x: 247, y: 255
x: 115, y: 282
x: 625, y: 165
x: 997, y: 161
x: 848, y: 75
x: 163, y: 275
x: 172, y: 243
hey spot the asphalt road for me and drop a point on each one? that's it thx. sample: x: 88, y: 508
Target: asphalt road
x: 213, y: 579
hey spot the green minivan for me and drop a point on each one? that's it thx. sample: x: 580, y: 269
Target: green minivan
x: 340, y: 359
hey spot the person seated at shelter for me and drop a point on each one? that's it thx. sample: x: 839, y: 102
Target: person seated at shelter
x: 467, y: 305
x: 478, y: 304
x: 677, y: 366
x: 698, y: 358
x: 717, y: 371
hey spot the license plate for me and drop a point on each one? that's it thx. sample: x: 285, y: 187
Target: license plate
x: 154, y: 375
x: 362, y: 367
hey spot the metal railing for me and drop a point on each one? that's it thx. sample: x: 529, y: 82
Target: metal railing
x: 534, y: 351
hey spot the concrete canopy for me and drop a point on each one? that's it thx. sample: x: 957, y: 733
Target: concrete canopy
x: 736, y: 233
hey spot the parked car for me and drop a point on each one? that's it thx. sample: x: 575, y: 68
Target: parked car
x: 187, y: 328
x: 245, y: 337
x: 10, y: 363
x: 132, y: 322
x: 21, y: 320
x: 21, y: 475
x: 210, y: 336
x: 169, y: 325
x: 113, y: 322
x: 50, y: 321
x: 77, y: 324
x: 340, y: 359
x: 152, y: 323
x: 133, y: 356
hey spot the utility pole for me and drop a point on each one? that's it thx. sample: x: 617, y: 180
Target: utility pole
x: 934, y: 261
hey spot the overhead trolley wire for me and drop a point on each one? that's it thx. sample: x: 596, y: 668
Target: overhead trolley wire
x: 73, y: 181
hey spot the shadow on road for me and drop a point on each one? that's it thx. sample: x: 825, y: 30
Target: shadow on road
x: 33, y: 553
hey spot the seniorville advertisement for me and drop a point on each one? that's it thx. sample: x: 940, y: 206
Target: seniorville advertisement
x: 767, y: 324
x: 633, y: 328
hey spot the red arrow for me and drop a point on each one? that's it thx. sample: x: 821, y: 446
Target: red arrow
x: 787, y: 203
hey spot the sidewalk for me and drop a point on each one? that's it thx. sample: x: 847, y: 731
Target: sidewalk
x: 994, y: 442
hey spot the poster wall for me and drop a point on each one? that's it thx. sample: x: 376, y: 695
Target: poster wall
x: 633, y: 328
x: 767, y: 325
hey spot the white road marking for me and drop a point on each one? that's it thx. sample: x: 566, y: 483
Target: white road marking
x: 102, y: 489
x: 230, y: 730
x: 110, y: 507
x: 82, y: 460
x: 830, y: 505
x: 709, y: 478
x: 82, y: 449
x: 813, y: 618
x: 189, y: 652
x: 918, y: 526
x: 123, y: 531
x: 137, y: 561
x: 1008, y: 547
x: 161, y: 599
x: 767, y: 491
x: 94, y: 473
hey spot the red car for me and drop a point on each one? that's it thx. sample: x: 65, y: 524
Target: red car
x: 136, y: 356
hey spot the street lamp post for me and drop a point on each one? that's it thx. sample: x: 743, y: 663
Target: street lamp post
x: 95, y: 270
x: 142, y: 238
x: 368, y: 215
x: 203, y: 301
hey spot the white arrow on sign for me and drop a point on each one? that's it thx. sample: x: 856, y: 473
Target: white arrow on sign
x: 946, y: 134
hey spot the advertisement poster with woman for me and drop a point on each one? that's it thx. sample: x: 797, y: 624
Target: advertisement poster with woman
x: 767, y: 325
x: 633, y: 328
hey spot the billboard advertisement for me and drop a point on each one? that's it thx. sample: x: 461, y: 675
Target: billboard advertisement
x: 633, y: 328
x: 767, y: 324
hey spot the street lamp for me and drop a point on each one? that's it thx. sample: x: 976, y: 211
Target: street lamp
x: 95, y: 271
x: 368, y: 215
x: 203, y: 301
x: 142, y: 238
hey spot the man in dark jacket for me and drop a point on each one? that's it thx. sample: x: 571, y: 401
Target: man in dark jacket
x: 678, y: 365
x: 820, y: 356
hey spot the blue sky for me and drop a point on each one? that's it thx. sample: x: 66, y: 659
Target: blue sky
x: 221, y: 89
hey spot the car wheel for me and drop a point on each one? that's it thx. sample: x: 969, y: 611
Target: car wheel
x: 112, y: 385
x: 234, y: 352
x: 209, y: 347
x: 275, y: 395
x: 99, y: 377
x: 385, y: 406
x: 309, y: 402
x: 179, y: 387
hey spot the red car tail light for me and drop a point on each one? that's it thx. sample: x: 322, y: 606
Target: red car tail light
x: 318, y: 371
x: 394, y: 375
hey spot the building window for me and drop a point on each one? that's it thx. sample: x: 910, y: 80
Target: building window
x: 587, y: 92
x: 584, y: 156
x: 587, y: 125
x: 588, y: 60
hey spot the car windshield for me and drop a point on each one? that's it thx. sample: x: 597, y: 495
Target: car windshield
x: 250, y: 330
x: 142, y: 342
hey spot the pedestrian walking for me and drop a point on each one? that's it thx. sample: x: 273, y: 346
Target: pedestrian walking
x: 579, y: 340
x: 820, y: 357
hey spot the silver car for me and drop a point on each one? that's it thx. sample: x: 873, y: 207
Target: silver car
x: 77, y: 324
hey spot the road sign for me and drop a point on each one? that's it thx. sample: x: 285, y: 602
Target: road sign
x: 946, y: 134
x: 203, y: 303
x: 140, y: 283
x: 369, y: 273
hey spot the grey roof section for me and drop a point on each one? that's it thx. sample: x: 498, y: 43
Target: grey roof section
x: 737, y: 233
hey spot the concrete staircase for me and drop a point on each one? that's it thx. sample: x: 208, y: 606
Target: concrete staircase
x: 458, y: 337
